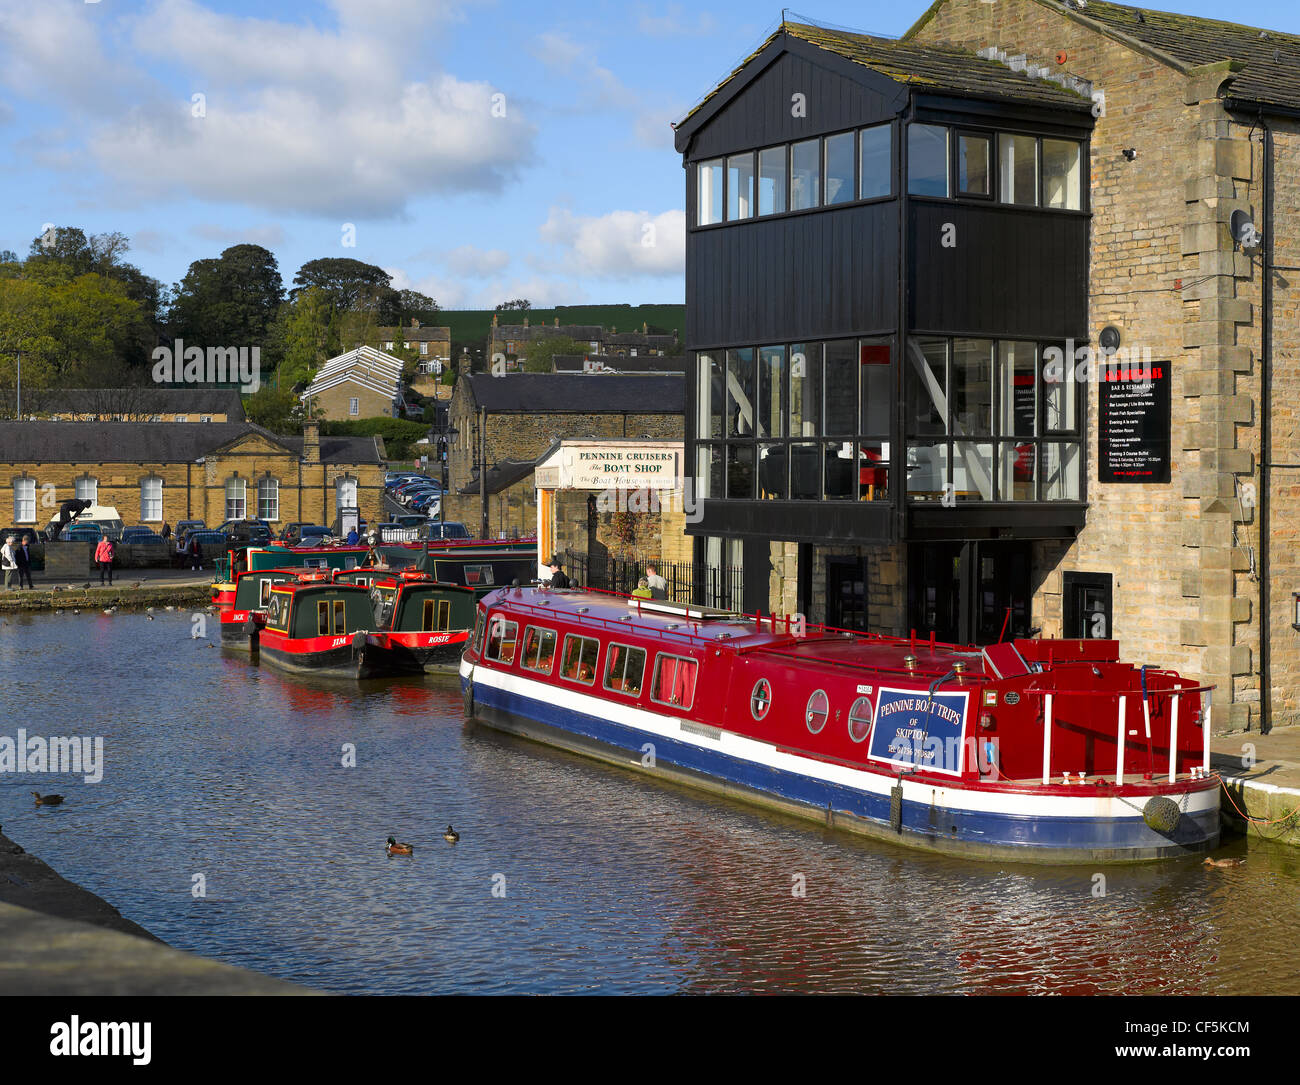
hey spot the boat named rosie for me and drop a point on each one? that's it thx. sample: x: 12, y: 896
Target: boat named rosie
x: 1036, y: 750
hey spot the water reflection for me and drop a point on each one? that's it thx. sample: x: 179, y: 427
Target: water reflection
x: 612, y: 883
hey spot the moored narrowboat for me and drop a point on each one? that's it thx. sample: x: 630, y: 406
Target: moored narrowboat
x: 316, y: 626
x: 242, y: 620
x: 1035, y: 750
x: 419, y: 625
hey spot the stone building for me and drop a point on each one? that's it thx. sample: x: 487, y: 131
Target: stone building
x: 509, y: 341
x: 1183, y: 552
x: 507, y: 422
x: 153, y: 472
x: 361, y: 383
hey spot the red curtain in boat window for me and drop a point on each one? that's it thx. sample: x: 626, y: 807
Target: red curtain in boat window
x: 675, y: 682
x: 684, y: 686
x: 614, y: 667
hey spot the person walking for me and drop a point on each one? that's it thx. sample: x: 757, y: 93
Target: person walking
x: 657, y: 584
x: 8, y: 560
x: 104, y: 559
x: 23, y: 555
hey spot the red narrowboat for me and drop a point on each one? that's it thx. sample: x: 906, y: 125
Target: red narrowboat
x: 419, y: 624
x: 316, y: 626
x: 1036, y: 750
x: 242, y: 621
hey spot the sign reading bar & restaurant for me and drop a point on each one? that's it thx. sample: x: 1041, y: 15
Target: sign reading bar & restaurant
x: 1134, y: 423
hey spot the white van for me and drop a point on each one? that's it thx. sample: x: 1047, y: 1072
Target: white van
x: 104, y: 515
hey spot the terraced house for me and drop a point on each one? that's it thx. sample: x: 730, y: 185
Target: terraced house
x: 990, y: 328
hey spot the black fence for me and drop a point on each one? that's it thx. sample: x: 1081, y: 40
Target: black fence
x: 688, y: 581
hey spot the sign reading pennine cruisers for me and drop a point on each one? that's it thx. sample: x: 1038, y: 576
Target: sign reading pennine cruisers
x: 913, y: 728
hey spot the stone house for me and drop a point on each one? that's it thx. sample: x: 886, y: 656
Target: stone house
x: 153, y: 472
x: 361, y: 383
x: 136, y: 404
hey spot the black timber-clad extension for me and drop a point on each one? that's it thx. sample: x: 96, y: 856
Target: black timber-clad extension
x: 870, y: 342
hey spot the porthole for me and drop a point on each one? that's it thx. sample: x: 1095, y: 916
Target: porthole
x: 761, y: 699
x: 860, y: 719
x: 818, y: 706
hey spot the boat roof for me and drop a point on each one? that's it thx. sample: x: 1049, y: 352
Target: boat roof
x: 766, y: 634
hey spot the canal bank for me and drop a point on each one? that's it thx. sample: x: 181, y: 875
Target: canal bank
x: 1261, y: 782
x: 133, y: 588
x: 59, y: 939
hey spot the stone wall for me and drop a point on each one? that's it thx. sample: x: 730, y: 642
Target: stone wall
x: 333, y: 403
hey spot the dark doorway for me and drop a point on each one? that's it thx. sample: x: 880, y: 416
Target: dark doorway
x: 1087, y: 605
x: 846, y: 593
x: 971, y: 592
x: 756, y: 561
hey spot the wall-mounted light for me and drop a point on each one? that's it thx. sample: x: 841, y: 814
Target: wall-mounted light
x: 1295, y: 610
x: 1130, y: 153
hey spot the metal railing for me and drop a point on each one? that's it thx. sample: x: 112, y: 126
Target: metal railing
x: 719, y: 586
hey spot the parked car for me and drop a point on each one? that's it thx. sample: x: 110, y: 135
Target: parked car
x: 293, y: 531
x: 209, y: 540
x: 408, y: 497
x: 141, y: 535
x: 81, y: 533
x: 255, y: 531
x: 408, y: 520
x: 449, y: 530
x: 314, y: 535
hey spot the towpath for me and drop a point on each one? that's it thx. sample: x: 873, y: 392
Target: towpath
x: 1262, y: 777
x: 131, y: 588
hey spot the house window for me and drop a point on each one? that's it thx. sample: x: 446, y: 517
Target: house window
x: 805, y: 174
x: 708, y: 180
x: 236, y: 498
x: 624, y: 669
x: 876, y: 160
x: 1061, y: 173
x: 973, y: 172
x: 674, y: 681
x: 345, y: 494
x: 354, y: 405
x: 268, y: 499
x: 86, y: 488
x: 927, y: 160
x: 580, y: 659
x: 771, y: 181
x: 151, y: 498
x: 205, y: 418
x: 424, y: 348
x: 388, y: 345
x: 838, y: 160
x: 1018, y: 169
x: 740, y: 186
x: 25, y: 501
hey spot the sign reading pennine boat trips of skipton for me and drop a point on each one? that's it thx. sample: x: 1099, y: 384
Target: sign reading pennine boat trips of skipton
x: 912, y: 728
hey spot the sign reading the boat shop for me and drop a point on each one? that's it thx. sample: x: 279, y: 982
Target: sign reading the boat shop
x: 913, y: 728
x: 649, y: 467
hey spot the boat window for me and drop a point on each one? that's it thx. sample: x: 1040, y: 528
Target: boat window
x: 817, y: 709
x: 323, y: 618
x: 444, y: 614
x: 674, y: 682
x: 340, y: 611
x: 478, y: 630
x: 761, y: 699
x: 624, y: 669
x: 580, y: 659
x: 478, y: 575
x: 860, y: 719
x: 429, y: 622
x: 264, y: 596
x: 381, y: 602
x: 277, y: 612
x: 539, y: 649
x: 501, y: 639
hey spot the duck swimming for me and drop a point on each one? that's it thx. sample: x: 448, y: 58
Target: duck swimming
x: 451, y: 835
x: 47, y: 800
x: 394, y: 848
x: 1223, y: 862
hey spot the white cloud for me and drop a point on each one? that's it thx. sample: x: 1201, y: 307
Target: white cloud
x: 469, y: 260
x: 672, y: 23
x: 268, y: 236
x: 297, y: 119
x: 620, y: 244
x: 455, y: 293
x: 559, y: 52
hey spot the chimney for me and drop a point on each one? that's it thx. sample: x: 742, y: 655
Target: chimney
x: 645, y: 328
x: 525, y: 322
x: 556, y: 323
x: 494, y: 320
x: 311, y: 441
x: 414, y: 322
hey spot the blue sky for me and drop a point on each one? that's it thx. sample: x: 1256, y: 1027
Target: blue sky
x: 481, y: 150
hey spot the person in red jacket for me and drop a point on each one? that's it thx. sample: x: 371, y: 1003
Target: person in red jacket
x: 104, y: 559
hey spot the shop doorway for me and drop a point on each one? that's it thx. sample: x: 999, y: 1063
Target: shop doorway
x: 970, y: 592
x: 846, y: 593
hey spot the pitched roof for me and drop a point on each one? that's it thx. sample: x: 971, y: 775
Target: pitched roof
x: 579, y: 393
x: 940, y: 68
x: 425, y: 333
x: 541, y: 331
x: 154, y: 442
x: 1270, y: 58
x: 145, y: 400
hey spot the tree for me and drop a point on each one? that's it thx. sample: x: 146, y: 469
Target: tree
x: 228, y: 301
x: 307, y: 337
x: 277, y: 409
x: 521, y: 304
x: 411, y: 304
x: 539, y: 354
x: 350, y: 284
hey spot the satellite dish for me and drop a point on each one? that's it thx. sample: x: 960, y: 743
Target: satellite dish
x: 1243, y: 230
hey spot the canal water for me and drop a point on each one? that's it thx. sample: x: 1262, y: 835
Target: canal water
x: 569, y: 876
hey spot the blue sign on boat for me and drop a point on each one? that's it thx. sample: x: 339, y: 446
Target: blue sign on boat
x: 913, y: 728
